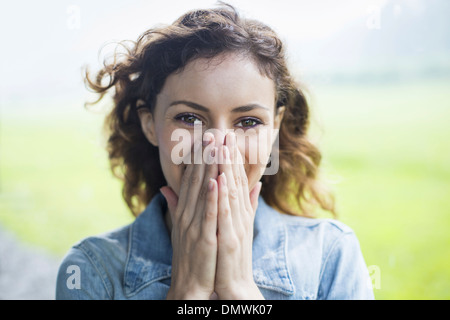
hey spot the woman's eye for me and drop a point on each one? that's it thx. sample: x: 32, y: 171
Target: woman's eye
x: 189, y: 119
x: 248, y: 123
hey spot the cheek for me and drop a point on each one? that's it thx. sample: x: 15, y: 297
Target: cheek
x: 256, y: 150
x: 170, y: 153
x: 255, y: 147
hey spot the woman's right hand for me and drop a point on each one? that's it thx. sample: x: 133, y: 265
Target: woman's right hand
x: 194, y: 224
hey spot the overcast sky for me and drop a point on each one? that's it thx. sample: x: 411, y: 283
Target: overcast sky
x: 45, y: 43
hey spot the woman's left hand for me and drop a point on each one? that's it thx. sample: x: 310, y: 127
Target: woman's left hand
x: 236, y: 213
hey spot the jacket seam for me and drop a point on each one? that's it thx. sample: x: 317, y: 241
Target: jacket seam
x: 285, y: 253
x: 324, y: 265
x: 316, y: 224
x: 92, y: 260
x: 129, y: 288
x: 135, y: 291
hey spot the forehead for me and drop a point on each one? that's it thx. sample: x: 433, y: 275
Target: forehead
x: 226, y: 81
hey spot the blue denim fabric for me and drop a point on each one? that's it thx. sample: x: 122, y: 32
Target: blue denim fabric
x: 293, y: 258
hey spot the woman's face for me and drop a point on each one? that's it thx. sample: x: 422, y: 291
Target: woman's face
x: 223, y: 94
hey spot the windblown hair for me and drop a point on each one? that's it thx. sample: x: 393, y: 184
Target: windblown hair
x: 138, y: 75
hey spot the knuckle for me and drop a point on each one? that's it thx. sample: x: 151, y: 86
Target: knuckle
x: 241, y: 236
x: 226, y: 212
x: 237, y: 181
x: 210, y: 214
x: 185, y: 179
x: 209, y: 240
x: 203, y: 192
x: 195, y: 179
x: 233, y: 193
x: 232, y: 244
x: 183, y: 220
x: 191, y: 235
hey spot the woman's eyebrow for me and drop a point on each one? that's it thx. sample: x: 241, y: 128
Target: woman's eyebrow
x: 191, y: 104
x: 197, y: 106
x: 249, y: 107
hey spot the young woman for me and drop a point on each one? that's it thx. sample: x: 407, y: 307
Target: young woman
x: 236, y: 222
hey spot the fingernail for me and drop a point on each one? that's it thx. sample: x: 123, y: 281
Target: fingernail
x: 210, y: 184
x: 207, y: 138
x: 223, y: 178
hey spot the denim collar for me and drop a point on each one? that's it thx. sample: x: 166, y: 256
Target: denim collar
x: 150, y: 250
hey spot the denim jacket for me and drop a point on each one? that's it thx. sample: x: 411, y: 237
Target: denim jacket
x: 293, y: 258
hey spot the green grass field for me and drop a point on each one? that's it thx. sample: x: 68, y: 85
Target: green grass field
x: 385, y: 148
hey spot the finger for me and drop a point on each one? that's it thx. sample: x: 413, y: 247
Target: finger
x: 235, y: 166
x: 208, y: 152
x: 209, y: 221
x: 171, y: 199
x: 210, y: 158
x: 232, y: 191
x: 184, y: 187
x: 194, y: 184
x: 244, y: 182
x: 224, y: 220
x: 184, y: 191
x: 211, y: 170
x: 210, y: 173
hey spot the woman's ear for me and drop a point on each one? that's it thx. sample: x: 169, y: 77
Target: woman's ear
x: 148, y: 126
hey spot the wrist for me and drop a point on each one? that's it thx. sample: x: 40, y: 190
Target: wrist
x: 241, y: 292
x: 187, y: 294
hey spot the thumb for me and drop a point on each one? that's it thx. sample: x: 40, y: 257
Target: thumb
x: 171, y: 198
x: 254, y: 195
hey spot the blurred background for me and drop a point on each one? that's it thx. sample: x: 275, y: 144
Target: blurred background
x: 378, y: 77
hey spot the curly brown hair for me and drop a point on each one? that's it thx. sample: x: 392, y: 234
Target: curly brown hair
x: 138, y: 75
